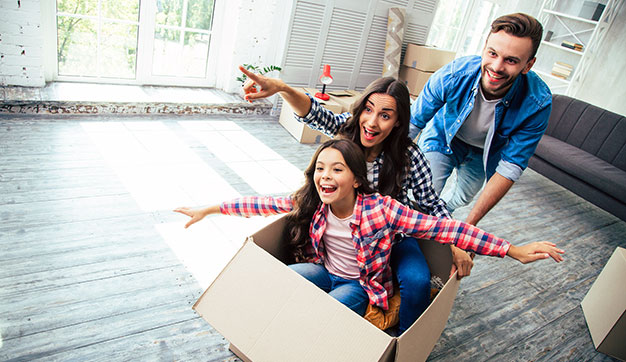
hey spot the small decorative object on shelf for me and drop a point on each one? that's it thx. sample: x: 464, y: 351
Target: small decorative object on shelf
x: 562, y: 70
x: 570, y: 45
x: 591, y: 10
x: 548, y: 36
x: 325, y: 79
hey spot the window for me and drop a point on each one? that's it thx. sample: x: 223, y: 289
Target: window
x: 462, y: 26
x: 128, y: 41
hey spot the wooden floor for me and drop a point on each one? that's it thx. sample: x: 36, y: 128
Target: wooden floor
x: 95, y: 266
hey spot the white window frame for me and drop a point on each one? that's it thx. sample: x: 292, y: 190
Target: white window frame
x: 145, y: 48
x: 505, y: 7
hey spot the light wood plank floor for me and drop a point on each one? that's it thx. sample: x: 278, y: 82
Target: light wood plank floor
x: 95, y: 266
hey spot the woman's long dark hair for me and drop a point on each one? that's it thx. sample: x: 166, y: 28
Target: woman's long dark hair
x: 395, y: 146
x: 307, y: 200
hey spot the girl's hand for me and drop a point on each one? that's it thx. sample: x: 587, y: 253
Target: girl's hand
x: 535, y: 251
x: 196, y: 214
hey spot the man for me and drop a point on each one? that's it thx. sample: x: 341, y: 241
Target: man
x: 484, y: 117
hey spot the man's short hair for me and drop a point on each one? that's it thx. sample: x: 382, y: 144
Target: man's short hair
x: 522, y: 26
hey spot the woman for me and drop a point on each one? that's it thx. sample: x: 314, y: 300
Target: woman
x: 379, y: 124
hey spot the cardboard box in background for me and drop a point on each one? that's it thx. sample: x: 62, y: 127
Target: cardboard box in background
x: 300, y: 131
x: 414, y: 79
x: 604, y: 307
x: 270, y: 313
x: 345, y: 98
x: 427, y: 59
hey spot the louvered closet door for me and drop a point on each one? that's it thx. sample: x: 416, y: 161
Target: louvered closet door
x: 350, y: 36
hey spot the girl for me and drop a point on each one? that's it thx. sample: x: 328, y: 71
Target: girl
x: 342, y: 234
x: 379, y: 124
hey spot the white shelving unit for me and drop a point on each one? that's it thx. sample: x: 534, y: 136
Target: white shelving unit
x: 562, y: 18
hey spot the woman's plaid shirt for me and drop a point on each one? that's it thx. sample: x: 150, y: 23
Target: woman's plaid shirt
x: 376, y: 219
x: 418, y: 179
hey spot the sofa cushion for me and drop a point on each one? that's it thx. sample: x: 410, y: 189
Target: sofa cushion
x: 584, y: 166
x: 590, y: 128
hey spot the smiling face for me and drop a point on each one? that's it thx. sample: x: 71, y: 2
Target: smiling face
x: 377, y: 120
x: 335, y: 182
x: 504, y: 58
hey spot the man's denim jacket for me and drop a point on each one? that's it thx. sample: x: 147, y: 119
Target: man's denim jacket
x: 521, y: 116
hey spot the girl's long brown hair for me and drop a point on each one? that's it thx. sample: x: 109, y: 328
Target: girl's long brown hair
x: 307, y: 200
x: 395, y: 163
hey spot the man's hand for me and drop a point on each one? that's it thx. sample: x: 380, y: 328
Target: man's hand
x: 535, y: 251
x: 461, y: 261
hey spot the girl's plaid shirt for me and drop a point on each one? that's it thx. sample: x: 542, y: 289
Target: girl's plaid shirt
x: 376, y: 219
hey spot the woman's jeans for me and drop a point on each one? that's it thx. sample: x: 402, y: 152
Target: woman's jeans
x: 410, y: 267
x: 348, y: 292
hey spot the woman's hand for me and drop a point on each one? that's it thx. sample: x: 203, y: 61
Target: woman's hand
x: 196, y: 214
x: 269, y: 86
x: 299, y: 102
x: 535, y: 251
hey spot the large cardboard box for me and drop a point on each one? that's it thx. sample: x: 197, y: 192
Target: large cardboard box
x: 345, y: 98
x: 604, y: 307
x: 300, y: 131
x: 427, y: 59
x: 270, y: 313
x: 414, y: 79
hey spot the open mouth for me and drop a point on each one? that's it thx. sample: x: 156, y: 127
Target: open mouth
x: 493, y: 77
x: 326, y: 189
x: 369, y: 134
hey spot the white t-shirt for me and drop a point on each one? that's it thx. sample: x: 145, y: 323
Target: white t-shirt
x: 340, y: 252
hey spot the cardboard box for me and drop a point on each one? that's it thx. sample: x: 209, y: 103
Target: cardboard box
x: 414, y: 79
x: 427, y: 59
x: 604, y: 307
x: 270, y: 313
x: 345, y: 98
x: 300, y: 131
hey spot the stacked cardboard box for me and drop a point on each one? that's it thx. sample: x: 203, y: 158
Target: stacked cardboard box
x: 270, y: 313
x: 420, y: 62
x: 339, y: 102
x: 300, y: 131
x: 345, y: 98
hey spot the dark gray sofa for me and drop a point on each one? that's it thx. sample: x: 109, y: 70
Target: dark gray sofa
x: 584, y: 150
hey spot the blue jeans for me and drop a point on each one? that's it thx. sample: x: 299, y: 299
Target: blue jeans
x: 409, y: 265
x: 348, y: 292
x: 470, y: 173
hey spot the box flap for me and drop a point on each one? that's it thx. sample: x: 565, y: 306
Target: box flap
x: 605, y: 304
x: 416, y: 343
x: 419, y: 340
x: 270, y: 238
x: 270, y: 313
x: 613, y: 344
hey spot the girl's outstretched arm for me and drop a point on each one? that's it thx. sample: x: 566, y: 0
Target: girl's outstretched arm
x: 535, y: 251
x: 197, y: 214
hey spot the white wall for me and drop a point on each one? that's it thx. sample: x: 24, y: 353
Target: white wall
x: 252, y: 32
x: 21, y: 52
x: 603, y: 84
